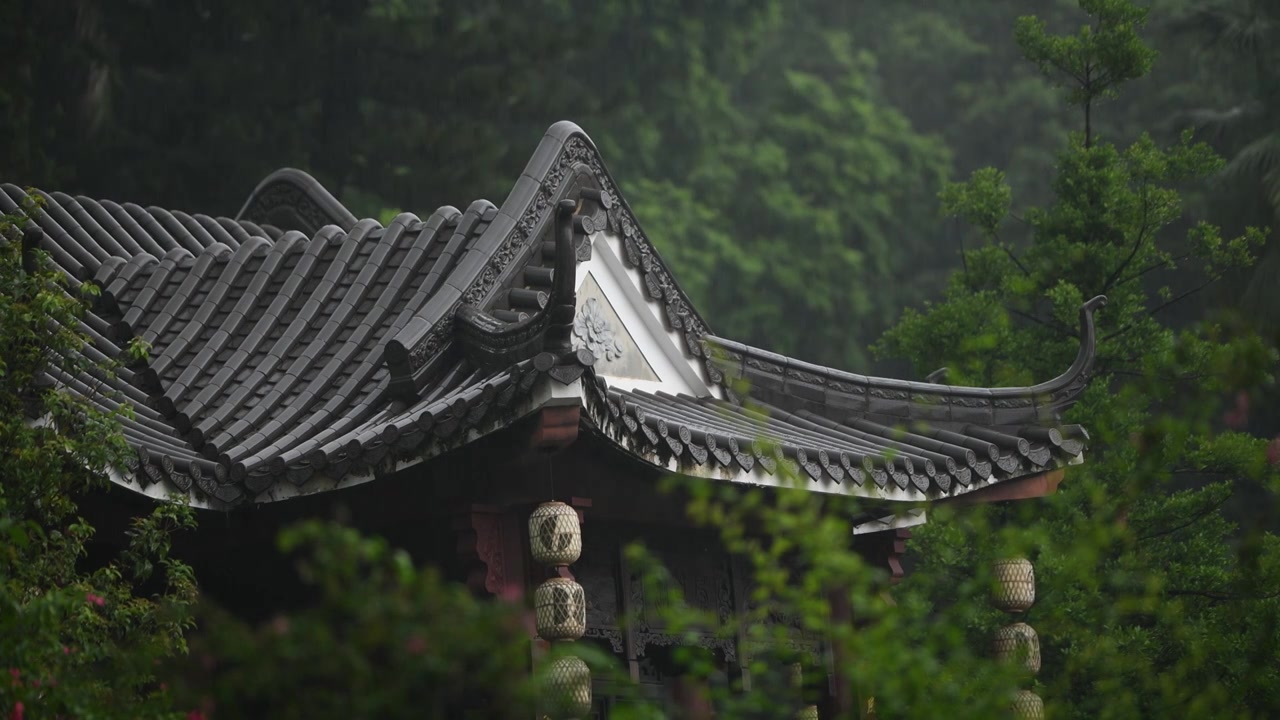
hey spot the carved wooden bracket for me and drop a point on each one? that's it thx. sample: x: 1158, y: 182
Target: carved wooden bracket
x: 897, y: 548
x: 885, y: 549
x: 489, y: 546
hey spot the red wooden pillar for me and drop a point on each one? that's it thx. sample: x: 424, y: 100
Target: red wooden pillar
x: 843, y: 702
x: 883, y: 550
x: 692, y: 697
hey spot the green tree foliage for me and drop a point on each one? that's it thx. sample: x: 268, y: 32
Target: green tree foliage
x: 1239, y: 40
x: 1245, y: 37
x: 898, y: 657
x: 753, y: 137
x: 808, y: 203
x: 781, y: 155
x: 954, y: 70
x: 380, y: 638
x: 1153, y: 601
x: 77, y: 638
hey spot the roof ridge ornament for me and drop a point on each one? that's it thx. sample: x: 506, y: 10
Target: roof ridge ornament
x: 490, y: 342
x: 1082, y: 366
x: 294, y: 200
x: 913, y: 399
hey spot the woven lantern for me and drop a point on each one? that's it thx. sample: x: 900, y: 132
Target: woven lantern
x: 554, y: 535
x: 568, y: 689
x: 1028, y: 706
x: 561, y: 609
x: 1015, y: 589
x: 1018, y: 642
x: 808, y: 712
x: 795, y: 675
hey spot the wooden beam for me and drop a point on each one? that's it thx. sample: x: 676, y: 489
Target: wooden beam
x: 1026, y: 488
x: 555, y: 428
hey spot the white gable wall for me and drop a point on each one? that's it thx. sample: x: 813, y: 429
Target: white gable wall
x: 643, y: 322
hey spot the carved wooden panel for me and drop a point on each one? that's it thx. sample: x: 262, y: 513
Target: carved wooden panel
x: 798, y: 639
x: 700, y: 569
x: 597, y: 572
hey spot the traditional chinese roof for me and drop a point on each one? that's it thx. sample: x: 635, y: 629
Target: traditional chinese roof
x: 295, y: 348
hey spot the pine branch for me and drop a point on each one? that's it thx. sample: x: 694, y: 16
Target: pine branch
x: 1221, y: 596
x: 1212, y: 508
x: 1153, y: 267
x: 1128, y: 326
x: 1057, y: 328
x: 1015, y: 259
x: 964, y: 258
x: 1137, y: 244
x: 1186, y: 294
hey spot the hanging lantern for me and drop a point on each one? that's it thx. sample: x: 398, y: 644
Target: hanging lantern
x: 808, y: 712
x: 1018, y: 642
x: 1015, y: 589
x: 568, y: 689
x: 554, y: 535
x: 1028, y: 706
x: 561, y: 609
x: 795, y: 675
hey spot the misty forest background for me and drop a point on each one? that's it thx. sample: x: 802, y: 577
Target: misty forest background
x: 785, y: 156
x: 791, y: 159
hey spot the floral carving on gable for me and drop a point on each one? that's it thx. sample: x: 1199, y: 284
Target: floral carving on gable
x: 593, y: 331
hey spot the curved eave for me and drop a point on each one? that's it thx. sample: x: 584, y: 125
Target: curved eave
x: 388, y: 446
x: 700, y: 437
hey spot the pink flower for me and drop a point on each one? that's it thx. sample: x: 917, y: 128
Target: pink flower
x: 95, y: 599
x: 1273, y: 451
x: 18, y: 711
x: 15, y: 673
x: 66, y: 650
x: 195, y: 715
x: 415, y: 645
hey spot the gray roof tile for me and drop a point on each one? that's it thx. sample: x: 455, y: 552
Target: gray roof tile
x: 297, y: 339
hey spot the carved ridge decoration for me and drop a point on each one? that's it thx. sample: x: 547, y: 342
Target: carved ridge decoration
x: 300, y: 194
x: 1014, y: 403
x: 765, y: 366
x: 277, y: 196
x: 576, y: 154
x: 845, y: 387
x: 490, y: 342
x: 806, y: 377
